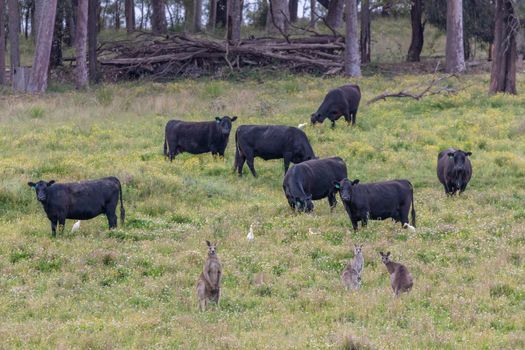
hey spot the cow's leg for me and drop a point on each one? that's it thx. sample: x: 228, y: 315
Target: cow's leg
x: 333, y: 124
x: 403, y: 213
x: 249, y: 161
x: 240, y: 164
x: 354, y: 116
x: 61, y: 224
x: 111, y: 213
x: 348, y: 118
x: 287, y: 160
x: 332, y: 201
x: 54, y: 227
x: 354, y: 224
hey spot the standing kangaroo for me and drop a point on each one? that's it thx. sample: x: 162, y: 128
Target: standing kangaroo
x: 351, y: 276
x: 209, y: 284
x: 400, y: 278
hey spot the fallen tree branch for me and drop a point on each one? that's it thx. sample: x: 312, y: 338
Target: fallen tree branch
x: 430, y: 89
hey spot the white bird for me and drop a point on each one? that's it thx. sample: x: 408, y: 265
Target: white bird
x: 76, y: 226
x: 250, y: 236
x: 300, y: 126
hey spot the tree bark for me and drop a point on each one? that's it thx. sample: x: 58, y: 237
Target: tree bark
x: 92, y: 39
x: 455, y: 54
x: 352, y: 61
x: 234, y: 20
x: 81, y: 73
x: 70, y: 16
x: 277, y: 17
x: 197, y: 16
x: 334, y: 17
x: 129, y: 9
x: 158, y: 17
x: 2, y: 42
x: 365, y: 39
x: 418, y: 28
x: 58, y: 33
x: 213, y: 15
x: 292, y: 9
x: 14, y: 25
x: 313, y: 13
x: 39, y: 4
x: 503, y: 73
x: 39, y: 73
x: 221, y: 13
x: 27, y: 11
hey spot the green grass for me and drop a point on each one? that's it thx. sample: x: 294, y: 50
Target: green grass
x: 135, y: 287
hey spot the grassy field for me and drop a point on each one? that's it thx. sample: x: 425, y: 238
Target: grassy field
x: 135, y: 287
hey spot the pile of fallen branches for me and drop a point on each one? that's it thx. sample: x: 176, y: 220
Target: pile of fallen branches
x: 162, y: 57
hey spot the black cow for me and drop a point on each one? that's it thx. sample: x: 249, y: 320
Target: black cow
x: 342, y: 101
x: 454, y: 170
x: 270, y: 142
x: 378, y: 201
x: 197, y: 137
x: 313, y: 180
x: 80, y: 200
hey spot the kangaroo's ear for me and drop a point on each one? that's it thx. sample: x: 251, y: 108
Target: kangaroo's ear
x: 381, y: 253
x: 387, y: 254
x: 208, y: 243
x: 31, y: 184
x: 50, y: 182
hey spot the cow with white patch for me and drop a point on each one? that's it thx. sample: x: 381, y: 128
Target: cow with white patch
x: 378, y: 201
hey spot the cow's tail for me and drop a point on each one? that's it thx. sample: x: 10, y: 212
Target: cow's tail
x: 122, y: 211
x: 413, y: 213
x: 165, y: 147
x: 237, y: 154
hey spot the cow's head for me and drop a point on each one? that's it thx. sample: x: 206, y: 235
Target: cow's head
x: 459, y: 157
x: 225, y: 124
x: 346, y: 188
x: 40, y: 189
x: 385, y: 258
x: 304, y: 204
x: 212, y: 248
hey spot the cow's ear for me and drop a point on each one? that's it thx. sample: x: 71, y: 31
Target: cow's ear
x: 468, y: 153
x: 208, y: 243
x: 234, y: 118
x: 31, y: 184
x: 50, y: 182
x: 450, y: 154
x: 218, y: 119
x: 337, y: 185
x: 355, y: 182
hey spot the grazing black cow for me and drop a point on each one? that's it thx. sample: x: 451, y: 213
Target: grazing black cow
x: 80, y: 200
x: 342, y: 101
x: 378, y: 201
x: 313, y: 180
x: 197, y: 137
x: 270, y: 142
x: 454, y: 170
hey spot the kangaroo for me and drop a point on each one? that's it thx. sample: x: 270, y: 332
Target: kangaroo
x: 351, y: 276
x: 209, y: 284
x: 400, y: 278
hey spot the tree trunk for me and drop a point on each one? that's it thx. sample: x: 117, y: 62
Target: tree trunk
x: 129, y: 9
x: 313, y: 13
x: 81, y: 73
x: 277, y: 17
x: 292, y: 9
x: 39, y: 73
x: 39, y: 4
x: 234, y: 20
x: 92, y: 39
x: 27, y: 11
x: 352, y: 62
x: 158, y: 17
x: 503, y: 73
x: 416, y: 44
x: 213, y: 15
x: 365, y: 39
x: 2, y: 42
x: 58, y: 33
x: 221, y: 13
x: 455, y: 55
x: 197, y: 16
x: 70, y: 17
x: 334, y: 17
x: 14, y: 24
x: 141, y: 26
x: 117, y: 15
